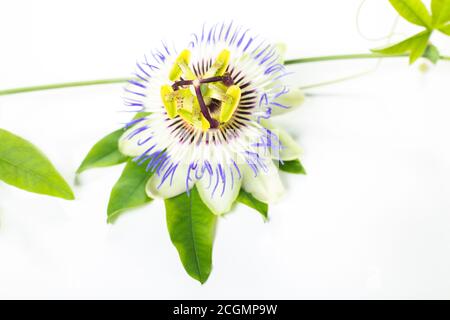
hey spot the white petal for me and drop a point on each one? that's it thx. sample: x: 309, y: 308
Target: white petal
x: 290, y: 149
x: 291, y: 100
x: 281, y: 49
x: 129, y: 142
x: 171, y: 186
x: 265, y: 186
x: 219, y: 193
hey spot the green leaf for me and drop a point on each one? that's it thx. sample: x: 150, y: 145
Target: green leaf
x: 141, y: 114
x: 294, y: 166
x: 413, y: 10
x: 129, y: 190
x: 249, y: 200
x: 26, y: 167
x: 418, y: 49
x: 440, y: 12
x: 104, y: 153
x: 414, y: 45
x: 192, y: 227
x: 432, y: 53
x: 445, y: 29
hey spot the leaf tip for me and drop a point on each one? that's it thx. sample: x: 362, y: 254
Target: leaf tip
x: 203, y: 279
x: 69, y: 195
x: 80, y: 169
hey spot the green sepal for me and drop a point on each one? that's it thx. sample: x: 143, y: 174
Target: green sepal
x: 432, y: 53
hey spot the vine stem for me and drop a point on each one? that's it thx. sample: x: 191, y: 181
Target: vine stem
x: 122, y: 80
x: 62, y: 85
x: 351, y: 57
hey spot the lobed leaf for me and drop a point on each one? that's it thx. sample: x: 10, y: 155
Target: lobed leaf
x: 445, y: 29
x: 418, y: 49
x: 192, y: 227
x: 413, y: 11
x: 129, y: 190
x: 24, y: 166
x: 249, y: 200
x: 440, y: 10
x: 414, y: 45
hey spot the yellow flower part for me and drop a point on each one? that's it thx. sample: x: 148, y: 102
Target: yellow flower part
x: 213, y: 89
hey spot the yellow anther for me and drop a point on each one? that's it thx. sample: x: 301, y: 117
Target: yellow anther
x: 181, y: 66
x: 168, y: 97
x: 205, y: 123
x: 195, y: 109
x: 200, y: 122
x: 220, y: 65
x: 186, y: 115
x: 216, y: 91
x: 196, y: 120
x: 185, y: 99
x: 229, y: 105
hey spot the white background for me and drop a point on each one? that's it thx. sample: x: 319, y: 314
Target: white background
x: 370, y: 220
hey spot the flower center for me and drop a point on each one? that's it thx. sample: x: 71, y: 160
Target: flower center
x: 205, y: 101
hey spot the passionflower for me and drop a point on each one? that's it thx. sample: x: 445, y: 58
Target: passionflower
x: 202, y: 137
x: 208, y: 124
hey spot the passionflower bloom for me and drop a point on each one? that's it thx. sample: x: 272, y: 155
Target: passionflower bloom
x: 208, y: 125
x: 202, y: 137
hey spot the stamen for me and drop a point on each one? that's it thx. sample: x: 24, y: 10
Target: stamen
x: 194, y: 118
x: 230, y: 104
x: 216, y: 92
x: 215, y: 84
x: 181, y: 66
x: 220, y: 65
x: 169, y: 101
x: 186, y: 115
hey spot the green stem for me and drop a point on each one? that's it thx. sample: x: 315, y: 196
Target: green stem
x: 121, y: 80
x: 62, y: 85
